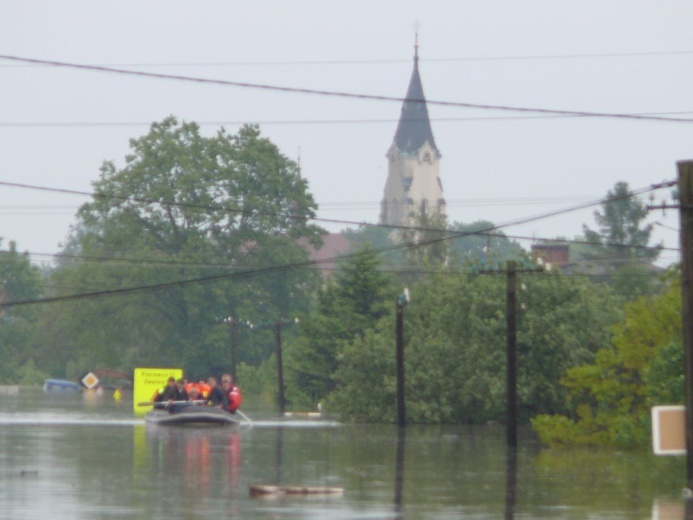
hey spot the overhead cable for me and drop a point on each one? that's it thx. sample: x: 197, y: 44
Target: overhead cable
x: 338, y: 94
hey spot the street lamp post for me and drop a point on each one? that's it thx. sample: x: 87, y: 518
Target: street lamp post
x: 402, y: 301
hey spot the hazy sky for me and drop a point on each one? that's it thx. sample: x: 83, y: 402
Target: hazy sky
x: 603, y: 56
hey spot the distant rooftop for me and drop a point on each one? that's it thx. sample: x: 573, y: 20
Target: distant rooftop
x: 333, y: 246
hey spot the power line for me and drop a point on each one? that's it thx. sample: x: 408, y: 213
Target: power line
x: 384, y: 60
x: 117, y: 124
x: 218, y: 207
x: 355, y: 223
x: 309, y: 263
x: 338, y: 94
x: 482, y: 234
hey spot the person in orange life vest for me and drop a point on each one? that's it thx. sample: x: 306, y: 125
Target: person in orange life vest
x: 233, y: 393
x: 193, y: 391
x: 204, y: 388
x: 216, y: 396
x: 194, y: 394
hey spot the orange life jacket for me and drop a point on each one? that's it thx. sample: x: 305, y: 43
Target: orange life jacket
x: 204, y: 390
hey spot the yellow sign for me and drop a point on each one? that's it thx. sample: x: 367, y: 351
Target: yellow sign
x: 669, y: 430
x: 146, y: 381
x: 90, y: 380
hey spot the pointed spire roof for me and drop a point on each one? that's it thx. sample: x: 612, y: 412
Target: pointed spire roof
x: 414, y: 127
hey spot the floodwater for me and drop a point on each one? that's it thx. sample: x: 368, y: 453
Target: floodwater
x: 78, y: 457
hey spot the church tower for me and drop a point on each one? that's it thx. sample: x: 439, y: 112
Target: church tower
x: 413, y: 184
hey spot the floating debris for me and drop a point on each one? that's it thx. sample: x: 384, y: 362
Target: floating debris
x: 256, y: 491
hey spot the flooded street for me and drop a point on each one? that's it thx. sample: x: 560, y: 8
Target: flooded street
x: 77, y: 458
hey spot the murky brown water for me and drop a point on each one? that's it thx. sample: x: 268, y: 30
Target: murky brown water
x: 90, y: 458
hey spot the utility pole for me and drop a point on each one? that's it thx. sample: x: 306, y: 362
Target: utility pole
x: 511, y: 272
x: 511, y: 357
x: 280, y: 366
x: 233, y: 340
x: 685, y: 169
x: 233, y: 337
x: 402, y: 300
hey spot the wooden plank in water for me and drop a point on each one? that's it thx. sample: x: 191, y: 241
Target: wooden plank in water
x: 304, y: 415
x: 257, y: 491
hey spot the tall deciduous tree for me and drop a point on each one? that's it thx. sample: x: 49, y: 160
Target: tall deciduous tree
x: 185, y: 206
x: 609, y: 398
x: 455, y: 333
x: 19, y: 280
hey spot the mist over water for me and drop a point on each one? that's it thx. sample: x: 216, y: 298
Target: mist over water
x: 78, y: 457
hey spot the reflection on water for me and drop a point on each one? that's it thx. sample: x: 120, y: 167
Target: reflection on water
x: 71, y: 459
x: 399, y: 468
x: 278, y: 458
x: 510, y: 483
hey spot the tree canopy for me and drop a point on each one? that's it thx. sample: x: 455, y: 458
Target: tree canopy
x: 186, y: 207
x: 609, y: 397
x: 621, y: 232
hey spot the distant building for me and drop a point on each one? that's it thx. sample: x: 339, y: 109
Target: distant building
x: 554, y: 254
x: 413, y: 182
x: 558, y: 255
x: 327, y: 256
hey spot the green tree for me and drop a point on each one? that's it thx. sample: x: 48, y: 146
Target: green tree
x: 426, y: 239
x: 609, y: 398
x: 185, y: 206
x: 455, y: 334
x: 20, y: 280
x: 621, y: 232
x: 478, y: 244
x: 346, y: 308
x: 664, y: 377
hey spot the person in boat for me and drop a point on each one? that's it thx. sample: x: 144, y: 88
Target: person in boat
x: 182, y: 394
x: 204, y: 389
x: 233, y: 393
x: 216, y: 396
x: 193, y: 393
x: 192, y: 387
x: 166, y: 394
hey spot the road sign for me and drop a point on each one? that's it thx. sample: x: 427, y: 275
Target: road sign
x: 90, y: 380
x: 669, y: 430
x: 146, y: 381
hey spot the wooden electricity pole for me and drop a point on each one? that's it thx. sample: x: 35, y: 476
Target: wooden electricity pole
x: 511, y: 272
x: 685, y: 169
x: 233, y: 337
x: 280, y: 366
x: 511, y: 357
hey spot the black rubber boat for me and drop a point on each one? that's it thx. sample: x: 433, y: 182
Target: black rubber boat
x: 190, y: 415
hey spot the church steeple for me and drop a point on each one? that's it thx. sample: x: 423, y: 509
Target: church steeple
x: 414, y: 127
x: 413, y: 187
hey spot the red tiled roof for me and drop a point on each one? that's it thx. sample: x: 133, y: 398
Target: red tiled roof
x: 333, y: 245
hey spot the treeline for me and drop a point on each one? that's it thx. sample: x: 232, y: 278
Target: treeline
x: 193, y: 230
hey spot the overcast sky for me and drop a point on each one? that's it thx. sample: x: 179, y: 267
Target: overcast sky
x: 601, y: 56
